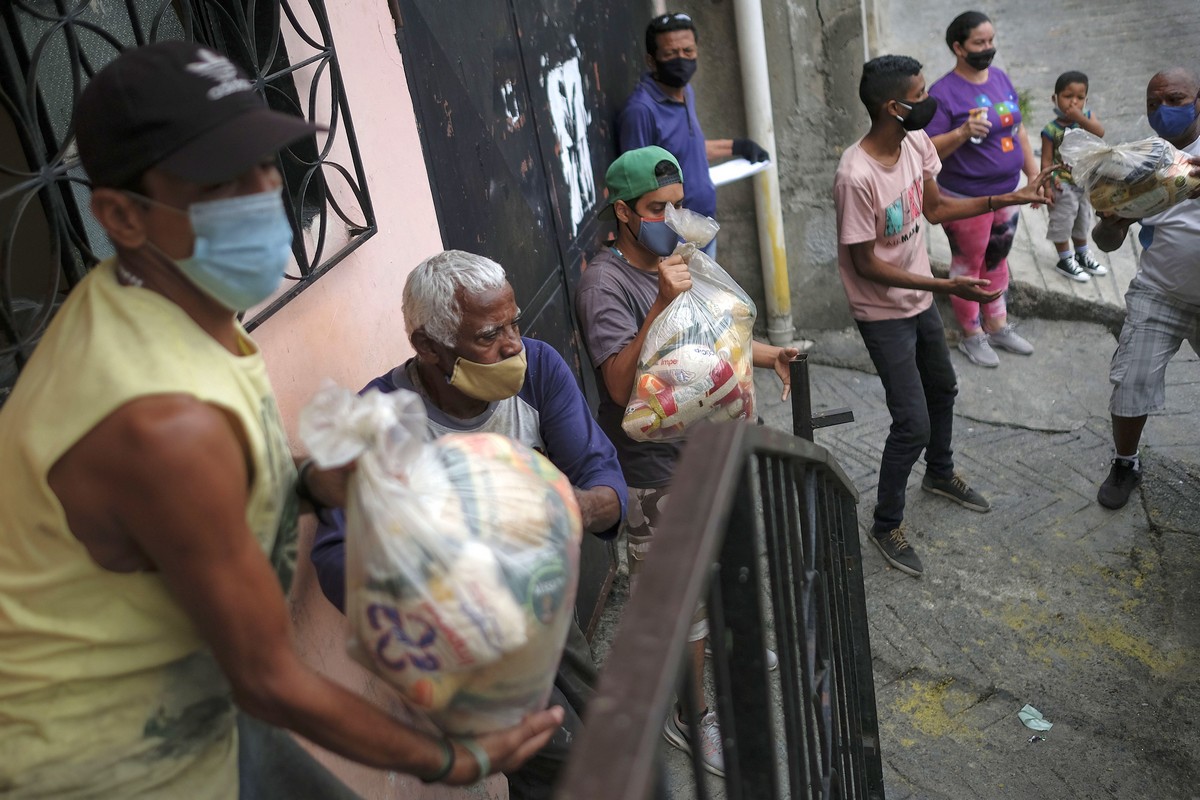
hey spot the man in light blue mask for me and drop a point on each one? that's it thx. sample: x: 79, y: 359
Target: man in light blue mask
x: 149, y: 503
x: 1163, y: 300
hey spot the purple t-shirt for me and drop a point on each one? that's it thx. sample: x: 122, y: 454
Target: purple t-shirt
x: 650, y: 117
x: 994, y: 165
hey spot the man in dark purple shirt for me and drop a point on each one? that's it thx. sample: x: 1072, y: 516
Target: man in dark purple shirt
x: 662, y: 111
x: 477, y: 374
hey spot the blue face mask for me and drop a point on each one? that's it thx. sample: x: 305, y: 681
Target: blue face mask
x: 657, y: 237
x: 242, y: 246
x: 1171, y: 122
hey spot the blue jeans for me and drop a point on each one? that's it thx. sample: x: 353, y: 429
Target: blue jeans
x: 913, y: 363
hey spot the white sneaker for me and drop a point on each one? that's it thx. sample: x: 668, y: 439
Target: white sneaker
x: 771, y: 658
x: 712, y: 753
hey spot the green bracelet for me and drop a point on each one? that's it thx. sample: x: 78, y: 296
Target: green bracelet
x: 485, y: 763
x: 447, y: 764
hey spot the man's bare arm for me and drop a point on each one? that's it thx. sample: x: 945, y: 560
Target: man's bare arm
x: 170, y: 473
x: 875, y: 269
x: 1110, y: 232
x: 600, y: 508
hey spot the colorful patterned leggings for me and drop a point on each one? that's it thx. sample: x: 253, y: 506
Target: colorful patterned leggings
x: 979, y: 249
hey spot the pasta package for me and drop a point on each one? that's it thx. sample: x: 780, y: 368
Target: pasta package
x: 696, y: 362
x: 1132, y: 180
x: 462, y: 558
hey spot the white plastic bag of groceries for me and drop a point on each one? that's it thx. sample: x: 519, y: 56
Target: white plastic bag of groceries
x: 1132, y: 180
x: 696, y: 362
x: 462, y: 558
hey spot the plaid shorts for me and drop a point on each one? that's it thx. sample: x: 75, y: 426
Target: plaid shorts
x: 642, y: 518
x: 1155, y: 327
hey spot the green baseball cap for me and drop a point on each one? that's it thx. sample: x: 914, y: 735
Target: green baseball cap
x: 632, y: 175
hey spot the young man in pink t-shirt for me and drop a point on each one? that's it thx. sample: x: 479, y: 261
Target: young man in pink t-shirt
x: 884, y: 185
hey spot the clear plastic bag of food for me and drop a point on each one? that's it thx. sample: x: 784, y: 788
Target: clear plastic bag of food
x: 696, y: 362
x: 1133, y: 180
x: 462, y: 558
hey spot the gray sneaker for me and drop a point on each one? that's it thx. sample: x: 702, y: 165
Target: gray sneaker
x: 978, y: 350
x: 898, y: 552
x: 712, y: 752
x: 957, y: 490
x: 1008, y: 339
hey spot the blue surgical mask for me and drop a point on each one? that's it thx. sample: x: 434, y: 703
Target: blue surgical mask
x: 657, y: 237
x: 1170, y: 122
x: 243, y: 245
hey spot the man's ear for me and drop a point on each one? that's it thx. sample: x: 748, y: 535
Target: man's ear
x: 622, y: 211
x: 424, y: 344
x: 651, y: 64
x: 121, y: 217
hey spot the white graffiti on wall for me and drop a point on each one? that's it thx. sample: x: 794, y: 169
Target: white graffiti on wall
x: 512, y: 111
x: 564, y: 85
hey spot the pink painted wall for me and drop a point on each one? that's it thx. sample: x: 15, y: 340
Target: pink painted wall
x: 347, y: 327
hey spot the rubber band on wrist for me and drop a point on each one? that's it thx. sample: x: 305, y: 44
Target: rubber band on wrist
x: 480, y: 755
x: 447, y: 763
x: 990, y: 206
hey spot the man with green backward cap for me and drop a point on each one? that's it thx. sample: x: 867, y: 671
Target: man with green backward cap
x: 623, y: 290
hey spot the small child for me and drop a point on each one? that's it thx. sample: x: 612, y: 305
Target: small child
x: 1071, y: 214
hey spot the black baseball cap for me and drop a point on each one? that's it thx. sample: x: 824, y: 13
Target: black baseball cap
x: 181, y: 107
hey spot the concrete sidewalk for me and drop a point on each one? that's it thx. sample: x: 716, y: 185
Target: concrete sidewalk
x: 1049, y: 599
x: 1087, y: 614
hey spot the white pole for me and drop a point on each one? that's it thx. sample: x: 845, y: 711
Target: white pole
x: 756, y: 89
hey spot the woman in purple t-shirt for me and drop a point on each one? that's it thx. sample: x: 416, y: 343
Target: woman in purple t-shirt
x: 984, y: 149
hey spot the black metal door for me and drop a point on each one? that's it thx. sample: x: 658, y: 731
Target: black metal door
x: 516, y: 103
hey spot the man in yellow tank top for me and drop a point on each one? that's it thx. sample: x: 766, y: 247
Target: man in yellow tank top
x: 149, y: 500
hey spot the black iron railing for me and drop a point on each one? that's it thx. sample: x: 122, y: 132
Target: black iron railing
x: 50, y: 49
x: 766, y: 525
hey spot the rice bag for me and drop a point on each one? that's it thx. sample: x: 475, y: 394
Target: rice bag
x: 696, y: 362
x: 1132, y: 180
x: 462, y: 558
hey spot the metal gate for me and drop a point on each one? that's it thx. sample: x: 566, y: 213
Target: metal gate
x: 516, y: 102
x: 48, y: 53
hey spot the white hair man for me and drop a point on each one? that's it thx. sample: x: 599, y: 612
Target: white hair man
x: 476, y: 373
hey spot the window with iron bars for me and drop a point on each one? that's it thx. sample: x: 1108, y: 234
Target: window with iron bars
x: 50, y: 49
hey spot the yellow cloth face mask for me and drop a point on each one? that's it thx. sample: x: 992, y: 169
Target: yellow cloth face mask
x: 490, y: 382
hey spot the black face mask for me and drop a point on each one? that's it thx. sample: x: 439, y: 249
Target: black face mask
x: 919, y: 114
x: 981, y: 60
x: 676, y: 72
